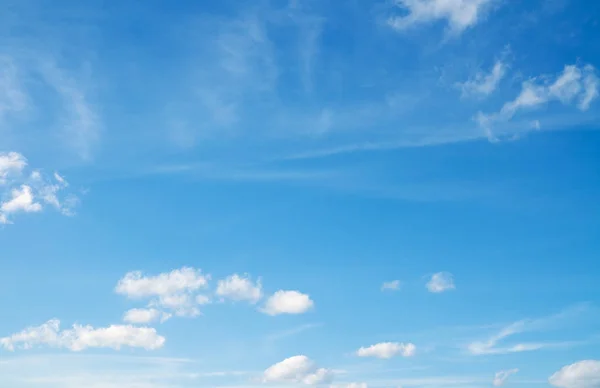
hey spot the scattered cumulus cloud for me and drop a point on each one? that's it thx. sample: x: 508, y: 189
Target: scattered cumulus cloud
x: 387, y: 350
x: 287, y: 302
x: 393, y: 285
x: 239, y: 288
x: 25, y: 191
x: 582, y: 374
x: 297, y: 369
x: 501, y: 377
x: 175, y: 291
x: 83, y: 337
x: 458, y: 14
x: 441, y: 282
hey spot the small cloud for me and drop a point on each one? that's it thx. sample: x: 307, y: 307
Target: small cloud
x: 459, y: 15
x: 297, y: 369
x: 387, y: 350
x: 582, y: 374
x: 501, y: 377
x: 287, y: 302
x: 239, y: 288
x: 393, y: 285
x: 441, y: 282
x: 482, y: 84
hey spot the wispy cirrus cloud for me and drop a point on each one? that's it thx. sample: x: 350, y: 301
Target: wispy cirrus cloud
x: 494, y: 344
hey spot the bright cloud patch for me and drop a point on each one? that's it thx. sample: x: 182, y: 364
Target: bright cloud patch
x: 393, y: 285
x: 82, y: 337
x: 23, y: 191
x: 238, y: 288
x: 297, y: 369
x: 387, y: 350
x: 501, y: 377
x: 175, y: 290
x: 582, y: 374
x: 441, y: 282
x: 459, y: 14
x: 288, y: 302
x: 483, y: 84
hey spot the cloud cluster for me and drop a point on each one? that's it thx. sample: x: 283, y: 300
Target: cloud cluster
x: 175, y: 291
x: 288, y: 302
x: 387, y: 350
x: 83, y: 337
x: 297, y: 369
x: 239, y: 288
x: 30, y: 191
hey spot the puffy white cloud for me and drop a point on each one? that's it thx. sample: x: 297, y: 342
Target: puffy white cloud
x: 297, y: 369
x: 82, y: 337
x: 173, y: 290
x: 582, y: 374
x: 287, y: 302
x: 149, y: 315
x: 459, y: 14
x: 501, y: 377
x: 239, y: 288
x: 440, y: 282
x: 483, y: 84
x: 387, y: 350
x: 21, y: 200
x: 393, y: 285
x: 135, y: 285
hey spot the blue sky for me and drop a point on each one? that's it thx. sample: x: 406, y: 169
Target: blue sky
x: 299, y: 193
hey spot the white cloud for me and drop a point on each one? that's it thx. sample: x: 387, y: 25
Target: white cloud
x: 24, y: 192
x: 173, y: 290
x: 135, y: 285
x: 582, y: 374
x: 138, y: 316
x: 239, y: 288
x: 82, y: 337
x: 482, y: 84
x: 501, y: 377
x: 11, y: 163
x: 21, y: 200
x: 440, y: 282
x: 574, y: 85
x: 459, y: 14
x: 287, y: 302
x: 491, y: 344
x: 393, y: 285
x: 387, y: 350
x: 297, y: 369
